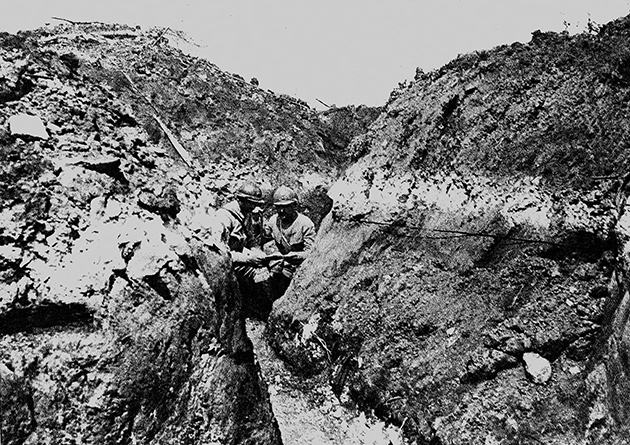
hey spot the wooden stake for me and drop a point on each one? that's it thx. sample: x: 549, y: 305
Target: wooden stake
x: 171, y: 137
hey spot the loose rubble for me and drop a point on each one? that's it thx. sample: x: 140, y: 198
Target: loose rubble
x: 119, y: 319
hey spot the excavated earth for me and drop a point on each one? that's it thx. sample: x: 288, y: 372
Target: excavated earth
x: 120, y: 321
x: 470, y: 284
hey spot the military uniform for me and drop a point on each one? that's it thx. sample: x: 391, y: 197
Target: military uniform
x: 241, y: 233
x: 297, y: 238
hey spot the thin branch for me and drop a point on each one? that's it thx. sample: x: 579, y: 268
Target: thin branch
x: 181, y: 35
x: 326, y: 105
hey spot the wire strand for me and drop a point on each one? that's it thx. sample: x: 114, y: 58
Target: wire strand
x: 457, y: 233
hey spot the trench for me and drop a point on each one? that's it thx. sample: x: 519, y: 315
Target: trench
x: 306, y: 409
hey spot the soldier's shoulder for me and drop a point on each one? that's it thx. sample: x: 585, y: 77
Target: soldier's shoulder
x: 231, y: 206
x: 305, y: 220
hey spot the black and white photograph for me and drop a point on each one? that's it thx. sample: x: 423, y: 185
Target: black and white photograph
x: 351, y: 222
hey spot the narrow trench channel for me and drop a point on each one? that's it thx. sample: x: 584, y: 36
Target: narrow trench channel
x: 307, y: 411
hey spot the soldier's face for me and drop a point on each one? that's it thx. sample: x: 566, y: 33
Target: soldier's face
x: 287, y: 212
x: 247, y: 206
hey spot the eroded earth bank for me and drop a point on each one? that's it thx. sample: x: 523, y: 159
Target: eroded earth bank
x: 468, y: 284
x: 471, y: 282
x: 120, y: 320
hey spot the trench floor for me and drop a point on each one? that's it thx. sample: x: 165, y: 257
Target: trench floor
x: 307, y: 411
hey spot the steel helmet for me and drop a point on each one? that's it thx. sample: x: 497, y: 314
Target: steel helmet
x: 284, y: 196
x: 250, y: 192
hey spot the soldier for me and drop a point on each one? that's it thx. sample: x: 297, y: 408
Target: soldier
x: 264, y: 275
x: 241, y: 220
x: 292, y: 235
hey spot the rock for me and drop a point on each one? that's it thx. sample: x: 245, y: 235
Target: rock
x: 12, y: 83
x: 585, y: 272
x: 149, y: 259
x: 113, y: 208
x: 27, y: 125
x: 10, y: 256
x: 486, y: 364
x: 166, y: 204
x: 108, y: 165
x: 54, y: 129
x: 133, y: 136
x: 96, y: 401
x: 537, y: 368
x: 5, y: 374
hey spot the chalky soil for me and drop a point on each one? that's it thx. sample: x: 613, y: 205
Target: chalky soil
x: 307, y: 411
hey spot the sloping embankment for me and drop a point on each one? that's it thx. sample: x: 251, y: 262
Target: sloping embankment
x: 119, y: 319
x: 465, y: 284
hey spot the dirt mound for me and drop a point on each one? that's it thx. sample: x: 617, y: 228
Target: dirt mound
x: 119, y: 319
x: 465, y: 284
